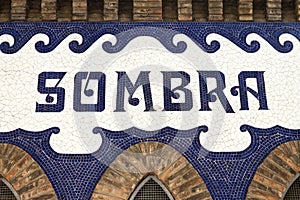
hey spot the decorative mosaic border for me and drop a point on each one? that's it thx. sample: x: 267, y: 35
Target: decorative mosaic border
x: 227, y: 175
x: 164, y: 32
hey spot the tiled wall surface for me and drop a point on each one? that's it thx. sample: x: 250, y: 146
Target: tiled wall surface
x: 261, y: 169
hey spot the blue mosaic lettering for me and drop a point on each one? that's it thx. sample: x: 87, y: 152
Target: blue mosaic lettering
x: 170, y: 93
x: 207, y: 97
x: 124, y: 82
x: 59, y: 91
x: 260, y: 95
x: 77, y: 105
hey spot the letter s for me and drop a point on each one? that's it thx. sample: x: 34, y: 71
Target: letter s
x: 59, y: 91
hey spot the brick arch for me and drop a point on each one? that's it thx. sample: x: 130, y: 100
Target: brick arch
x: 274, y: 176
x: 24, y: 174
x: 150, y: 158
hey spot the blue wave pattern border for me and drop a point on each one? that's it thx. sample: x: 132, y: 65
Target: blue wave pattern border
x: 229, y: 176
x: 164, y: 32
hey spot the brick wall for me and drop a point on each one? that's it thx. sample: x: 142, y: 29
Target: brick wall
x: 277, y: 171
x: 150, y: 10
x: 142, y: 159
x: 271, y: 181
x: 24, y: 174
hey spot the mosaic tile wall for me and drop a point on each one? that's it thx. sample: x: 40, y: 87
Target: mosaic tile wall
x: 76, y: 95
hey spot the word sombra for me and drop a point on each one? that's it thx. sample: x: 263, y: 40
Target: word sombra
x: 124, y: 82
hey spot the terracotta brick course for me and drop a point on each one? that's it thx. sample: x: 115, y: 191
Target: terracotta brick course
x: 111, y: 10
x: 185, y: 10
x: 149, y: 10
x: 48, y: 10
x: 18, y: 10
x: 297, y: 8
x: 215, y: 10
x: 79, y: 10
x: 152, y: 10
x: 273, y: 10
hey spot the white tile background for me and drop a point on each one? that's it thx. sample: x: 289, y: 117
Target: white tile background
x: 19, y: 77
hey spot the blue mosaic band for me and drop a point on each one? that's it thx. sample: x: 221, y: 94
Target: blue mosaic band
x: 163, y: 32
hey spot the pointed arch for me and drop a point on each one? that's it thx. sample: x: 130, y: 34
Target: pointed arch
x: 24, y: 174
x: 7, y: 191
x: 148, y: 185
x: 276, y: 173
x: 150, y: 158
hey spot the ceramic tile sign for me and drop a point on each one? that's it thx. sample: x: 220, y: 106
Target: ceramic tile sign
x: 83, y: 78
